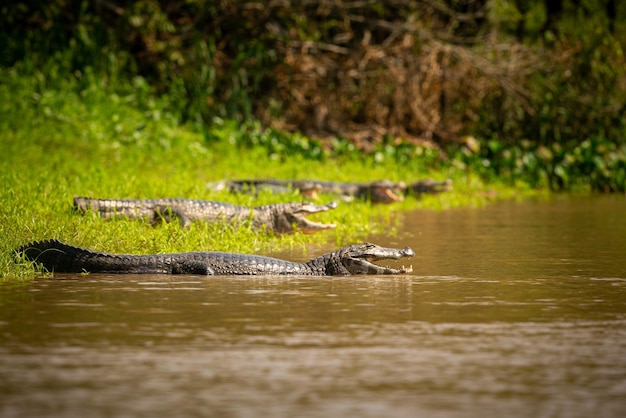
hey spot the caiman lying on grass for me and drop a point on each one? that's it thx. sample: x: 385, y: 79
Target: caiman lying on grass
x: 380, y: 191
x: 357, y: 259
x: 429, y: 186
x: 278, y: 218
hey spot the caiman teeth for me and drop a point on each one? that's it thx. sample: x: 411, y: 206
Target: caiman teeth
x: 308, y: 209
x: 407, y: 269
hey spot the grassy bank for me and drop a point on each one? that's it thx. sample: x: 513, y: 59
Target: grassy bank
x: 62, y: 140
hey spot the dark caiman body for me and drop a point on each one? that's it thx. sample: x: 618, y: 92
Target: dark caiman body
x: 380, y: 191
x: 278, y: 218
x: 429, y: 186
x: 58, y: 257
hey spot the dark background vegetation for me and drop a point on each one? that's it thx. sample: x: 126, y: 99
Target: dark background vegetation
x: 532, y: 90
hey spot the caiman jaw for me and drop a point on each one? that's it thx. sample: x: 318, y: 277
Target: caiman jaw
x: 386, y: 192
x: 306, y: 226
x: 361, y: 260
x: 308, y: 190
x: 384, y: 195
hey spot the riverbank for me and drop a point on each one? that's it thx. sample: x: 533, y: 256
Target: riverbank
x: 57, y: 143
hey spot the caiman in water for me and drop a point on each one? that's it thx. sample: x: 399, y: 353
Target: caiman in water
x: 278, y: 218
x: 358, y: 259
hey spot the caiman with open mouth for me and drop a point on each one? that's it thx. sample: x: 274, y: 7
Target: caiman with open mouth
x: 358, y: 259
x: 279, y: 218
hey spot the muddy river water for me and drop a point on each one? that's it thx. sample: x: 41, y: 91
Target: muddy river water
x: 516, y: 309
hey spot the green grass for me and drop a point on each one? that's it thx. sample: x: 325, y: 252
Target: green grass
x: 61, y: 141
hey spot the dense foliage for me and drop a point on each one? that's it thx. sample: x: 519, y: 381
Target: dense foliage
x: 524, y: 90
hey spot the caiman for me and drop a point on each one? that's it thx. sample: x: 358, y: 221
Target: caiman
x: 305, y: 188
x: 429, y: 186
x: 279, y: 218
x: 358, y: 259
x: 379, y: 191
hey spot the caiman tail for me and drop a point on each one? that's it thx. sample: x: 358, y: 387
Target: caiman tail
x: 56, y: 256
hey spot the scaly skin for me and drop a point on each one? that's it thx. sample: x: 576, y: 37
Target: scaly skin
x: 358, y: 259
x: 380, y: 191
x: 429, y: 186
x: 279, y: 218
